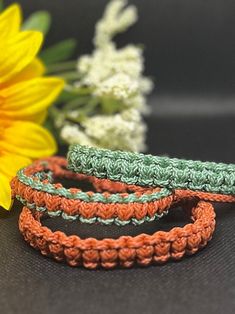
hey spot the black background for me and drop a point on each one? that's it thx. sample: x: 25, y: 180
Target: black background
x: 190, y: 53
x: 189, y: 44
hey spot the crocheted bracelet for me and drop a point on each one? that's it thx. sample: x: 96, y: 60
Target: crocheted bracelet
x: 34, y: 188
x: 125, y: 251
x: 148, y: 170
x: 129, y: 188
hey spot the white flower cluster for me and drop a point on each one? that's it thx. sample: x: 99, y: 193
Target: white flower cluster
x: 115, y: 20
x: 114, y: 77
x: 117, y: 74
x: 123, y: 131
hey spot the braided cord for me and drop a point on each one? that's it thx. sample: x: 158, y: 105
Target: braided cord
x: 129, y: 188
x: 124, y: 251
x: 33, y: 187
x: 87, y: 197
x: 148, y: 170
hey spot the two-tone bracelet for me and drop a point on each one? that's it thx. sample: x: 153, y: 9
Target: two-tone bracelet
x: 34, y: 187
x: 127, y: 188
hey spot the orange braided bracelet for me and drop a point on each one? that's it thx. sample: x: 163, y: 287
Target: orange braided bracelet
x: 129, y: 188
x: 34, y: 189
x: 125, y: 251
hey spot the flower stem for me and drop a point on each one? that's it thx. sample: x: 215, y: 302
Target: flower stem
x: 62, y: 66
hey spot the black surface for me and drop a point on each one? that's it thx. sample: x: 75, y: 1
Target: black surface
x: 203, y: 283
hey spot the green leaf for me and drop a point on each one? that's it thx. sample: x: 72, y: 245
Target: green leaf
x: 69, y: 76
x: 67, y: 96
x: 39, y: 21
x: 110, y: 105
x: 53, y: 115
x: 58, y: 52
x: 1, y: 5
x: 61, y: 66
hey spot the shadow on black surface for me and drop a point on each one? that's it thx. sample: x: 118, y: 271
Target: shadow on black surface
x: 6, y: 214
x: 175, y: 217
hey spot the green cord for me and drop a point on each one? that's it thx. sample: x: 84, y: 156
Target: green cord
x: 83, y: 196
x: 92, y: 220
x: 148, y: 170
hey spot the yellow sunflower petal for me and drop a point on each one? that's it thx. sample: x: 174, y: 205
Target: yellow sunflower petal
x: 10, y: 21
x: 27, y: 139
x: 35, y: 69
x: 28, y: 99
x: 10, y: 164
x: 5, y: 192
x: 40, y: 117
x: 17, y: 54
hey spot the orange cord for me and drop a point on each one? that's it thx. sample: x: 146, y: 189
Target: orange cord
x: 125, y: 251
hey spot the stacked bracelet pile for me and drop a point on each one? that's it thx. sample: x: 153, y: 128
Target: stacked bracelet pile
x: 128, y: 188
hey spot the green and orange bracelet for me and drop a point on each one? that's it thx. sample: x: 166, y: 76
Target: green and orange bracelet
x: 34, y: 188
x: 127, y: 188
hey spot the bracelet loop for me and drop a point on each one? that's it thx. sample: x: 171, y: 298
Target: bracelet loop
x: 34, y: 187
x: 125, y: 251
x: 127, y: 188
x: 148, y: 170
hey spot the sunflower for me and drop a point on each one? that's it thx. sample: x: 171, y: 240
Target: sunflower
x: 24, y: 98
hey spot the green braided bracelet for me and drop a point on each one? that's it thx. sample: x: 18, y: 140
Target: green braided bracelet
x: 148, y: 170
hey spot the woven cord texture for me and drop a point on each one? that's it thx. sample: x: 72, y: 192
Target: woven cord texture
x: 148, y: 170
x: 128, y: 188
x: 125, y: 251
x: 132, y: 204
